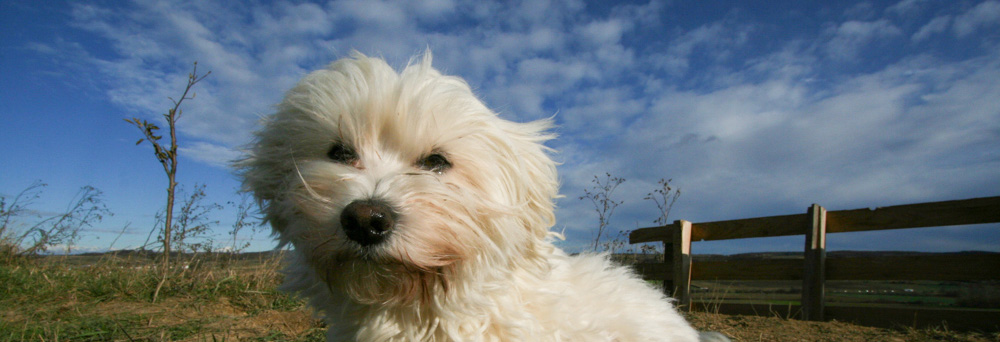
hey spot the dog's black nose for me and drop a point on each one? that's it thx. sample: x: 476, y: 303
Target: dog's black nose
x: 367, y: 222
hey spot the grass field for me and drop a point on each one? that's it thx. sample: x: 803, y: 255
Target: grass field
x: 226, y: 298
x: 214, y: 298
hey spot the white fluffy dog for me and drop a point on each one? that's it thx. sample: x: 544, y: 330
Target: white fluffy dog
x: 417, y: 214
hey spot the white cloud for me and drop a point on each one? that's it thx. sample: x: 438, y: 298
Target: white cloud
x: 600, y: 113
x: 41, y: 48
x: 211, y: 154
x: 434, y: 9
x: 554, y: 74
x: 793, y: 61
x: 906, y: 7
x: 291, y: 19
x: 917, y: 129
x: 605, y: 32
x: 710, y: 43
x: 676, y: 60
x: 851, y: 37
x: 860, y: 11
x: 156, y: 45
x: 746, y: 125
x: 984, y: 15
x: 935, y: 26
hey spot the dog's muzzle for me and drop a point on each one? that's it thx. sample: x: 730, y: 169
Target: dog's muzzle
x: 368, y: 222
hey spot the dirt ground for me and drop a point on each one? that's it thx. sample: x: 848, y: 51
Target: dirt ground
x: 757, y: 328
x: 230, y: 323
x: 299, y: 325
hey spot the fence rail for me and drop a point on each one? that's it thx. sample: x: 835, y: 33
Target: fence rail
x: 947, y: 267
x: 814, y: 268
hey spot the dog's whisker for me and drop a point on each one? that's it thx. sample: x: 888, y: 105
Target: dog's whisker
x: 321, y: 244
x: 302, y: 179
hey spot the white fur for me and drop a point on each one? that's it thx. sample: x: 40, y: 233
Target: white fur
x: 470, y: 257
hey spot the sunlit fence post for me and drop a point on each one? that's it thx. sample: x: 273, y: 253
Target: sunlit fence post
x: 814, y: 273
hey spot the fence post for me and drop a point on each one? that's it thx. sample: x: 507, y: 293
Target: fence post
x: 668, y: 260
x: 814, y: 277
x: 682, y: 263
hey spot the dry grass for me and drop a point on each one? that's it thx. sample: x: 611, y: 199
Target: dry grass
x: 109, y: 298
x: 212, y: 299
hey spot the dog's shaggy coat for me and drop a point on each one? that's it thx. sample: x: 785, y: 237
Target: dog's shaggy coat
x: 417, y: 214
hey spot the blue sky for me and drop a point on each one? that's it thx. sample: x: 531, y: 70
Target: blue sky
x: 753, y: 108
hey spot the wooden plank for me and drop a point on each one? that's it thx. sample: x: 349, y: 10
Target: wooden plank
x: 948, y: 267
x: 653, y: 271
x: 934, y: 214
x: 667, y: 270
x: 758, y: 269
x: 750, y: 228
x: 815, y: 265
x: 726, y: 230
x: 651, y: 234
x: 682, y: 263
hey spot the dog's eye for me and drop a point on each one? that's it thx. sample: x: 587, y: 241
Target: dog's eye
x: 436, y: 163
x: 342, y: 154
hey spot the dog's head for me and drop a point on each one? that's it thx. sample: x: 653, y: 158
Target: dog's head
x: 389, y: 183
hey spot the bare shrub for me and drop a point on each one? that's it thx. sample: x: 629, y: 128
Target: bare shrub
x: 665, y: 196
x: 243, y: 216
x: 167, y: 155
x: 48, y: 230
x: 191, y: 233
x: 600, y: 196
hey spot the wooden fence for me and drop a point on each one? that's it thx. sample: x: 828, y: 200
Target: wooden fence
x: 815, y: 269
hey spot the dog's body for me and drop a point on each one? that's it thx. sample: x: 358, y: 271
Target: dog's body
x: 418, y: 215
